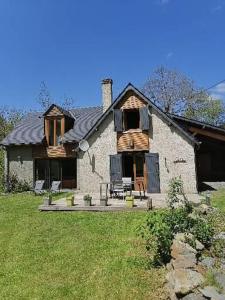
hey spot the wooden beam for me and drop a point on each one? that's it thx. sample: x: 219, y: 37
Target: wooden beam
x: 62, y: 126
x: 55, y: 138
x: 47, y: 130
x: 217, y: 136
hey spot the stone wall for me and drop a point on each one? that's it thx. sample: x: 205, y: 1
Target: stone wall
x: 176, y: 154
x: 21, y: 163
x: 93, y: 166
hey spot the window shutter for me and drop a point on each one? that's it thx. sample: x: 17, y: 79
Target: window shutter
x: 118, y: 120
x: 116, y: 167
x: 144, y: 118
x: 152, y: 168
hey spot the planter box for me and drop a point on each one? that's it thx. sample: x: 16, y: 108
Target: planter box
x: 70, y: 201
x: 87, y: 202
x: 47, y: 200
x: 103, y: 202
x: 129, y: 201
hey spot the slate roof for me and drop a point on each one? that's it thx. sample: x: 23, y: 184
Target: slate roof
x: 64, y: 111
x: 30, y: 130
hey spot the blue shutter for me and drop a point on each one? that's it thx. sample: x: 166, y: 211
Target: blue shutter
x: 152, y: 168
x: 118, y: 120
x: 115, y: 167
x: 144, y: 118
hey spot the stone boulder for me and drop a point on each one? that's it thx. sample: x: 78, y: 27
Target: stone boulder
x: 184, y: 261
x: 183, y: 237
x: 193, y: 296
x: 184, y: 281
x: 211, y: 293
x: 180, y: 248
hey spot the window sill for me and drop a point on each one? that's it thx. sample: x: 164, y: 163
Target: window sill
x: 132, y: 130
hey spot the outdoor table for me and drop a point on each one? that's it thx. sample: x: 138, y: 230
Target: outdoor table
x: 108, y: 184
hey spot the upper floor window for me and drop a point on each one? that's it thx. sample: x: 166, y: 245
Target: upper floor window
x: 131, y: 119
x: 54, y: 131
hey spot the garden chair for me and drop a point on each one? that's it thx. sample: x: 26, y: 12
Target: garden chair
x: 127, y: 184
x: 55, y: 187
x: 118, y: 189
x: 38, y: 189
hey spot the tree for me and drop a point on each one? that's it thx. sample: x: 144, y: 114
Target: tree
x: 175, y: 93
x: 8, y: 119
x: 45, y: 99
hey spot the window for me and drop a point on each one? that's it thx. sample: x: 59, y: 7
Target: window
x: 131, y: 119
x: 53, y: 131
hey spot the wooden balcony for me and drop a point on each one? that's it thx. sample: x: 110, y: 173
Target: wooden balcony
x: 62, y: 151
x: 133, y: 140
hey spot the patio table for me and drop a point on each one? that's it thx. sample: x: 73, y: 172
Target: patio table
x: 108, y: 184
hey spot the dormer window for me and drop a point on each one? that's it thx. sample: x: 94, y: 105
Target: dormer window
x: 57, y: 123
x: 55, y: 132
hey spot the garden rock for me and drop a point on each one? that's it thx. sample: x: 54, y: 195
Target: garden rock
x: 193, y: 296
x: 204, y: 209
x: 211, y: 293
x: 219, y: 236
x: 208, y: 262
x: 183, y: 281
x: 220, y: 278
x: 185, y: 261
x: 182, y: 237
x: 179, y: 248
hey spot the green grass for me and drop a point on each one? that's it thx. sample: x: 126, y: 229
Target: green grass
x: 218, y: 199
x: 72, y: 255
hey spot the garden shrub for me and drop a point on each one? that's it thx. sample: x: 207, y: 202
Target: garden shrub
x: 176, y: 193
x: 17, y: 186
x: 203, y: 231
x: 161, y: 226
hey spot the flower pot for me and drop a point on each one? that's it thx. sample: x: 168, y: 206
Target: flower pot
x: 87, y: 202
x: 129, y: 201
x: 47, y: 200
x: 70, y: 201
x: 103, y: 202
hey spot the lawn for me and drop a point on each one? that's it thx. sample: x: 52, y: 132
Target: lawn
x: 72, y: 255
x: 218, y: 199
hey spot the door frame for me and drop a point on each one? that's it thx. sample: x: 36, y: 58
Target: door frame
x: 134, y: 155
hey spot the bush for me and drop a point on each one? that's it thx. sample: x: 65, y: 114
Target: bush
x: 17, y: 186
x: 176, y: 193
x: 203, y: 231
x: 161, y: 226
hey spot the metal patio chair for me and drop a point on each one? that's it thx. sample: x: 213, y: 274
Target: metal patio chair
x: 127, y: 184
x: 38, y: 189
x: 118, y: 189
x: 55, y: 187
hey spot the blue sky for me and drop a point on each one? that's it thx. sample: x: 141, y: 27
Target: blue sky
x: 72, y: 45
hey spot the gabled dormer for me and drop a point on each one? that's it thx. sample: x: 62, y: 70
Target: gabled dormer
x: 57, y: 121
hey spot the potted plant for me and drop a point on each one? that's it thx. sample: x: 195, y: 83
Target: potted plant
x: 129, y: 201
x: 104, y: 201
x: 87, y: 200
x: 48, y: 199
x: 70, y: 200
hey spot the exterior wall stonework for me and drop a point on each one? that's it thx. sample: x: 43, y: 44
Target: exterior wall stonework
x: 21, y: 163
x: 93, y: 166
x: 176, y: 155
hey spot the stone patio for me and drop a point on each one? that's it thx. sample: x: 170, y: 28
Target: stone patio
x: 114, y: 204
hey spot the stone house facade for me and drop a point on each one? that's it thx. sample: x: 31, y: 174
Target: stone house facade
x: 127, y: 137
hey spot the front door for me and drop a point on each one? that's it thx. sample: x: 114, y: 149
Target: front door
x: 134, y: 167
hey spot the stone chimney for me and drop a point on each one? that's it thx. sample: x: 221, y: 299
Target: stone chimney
x: 106, y: 93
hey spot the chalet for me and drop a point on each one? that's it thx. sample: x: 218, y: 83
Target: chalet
x: 127, y: 137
